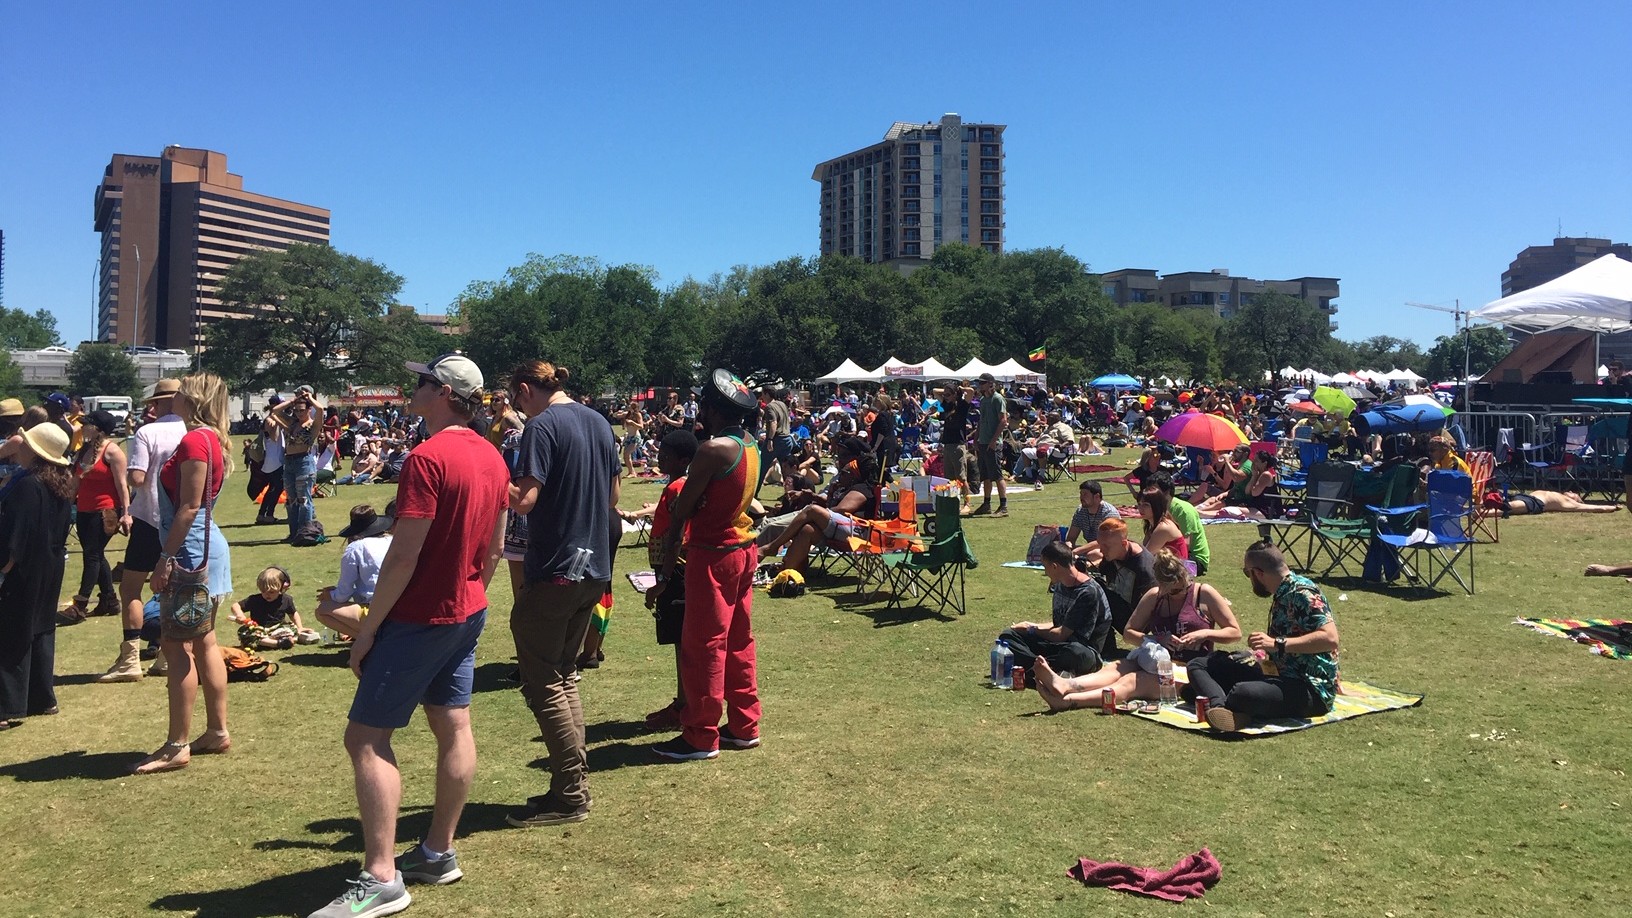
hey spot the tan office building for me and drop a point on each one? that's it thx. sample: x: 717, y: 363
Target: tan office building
x: 922, y: 186
x: 182, y: 219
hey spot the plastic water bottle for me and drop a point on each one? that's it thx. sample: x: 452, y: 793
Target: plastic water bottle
x: 997, y: 662
x: 1167, y: 690
x: 1006, y: 679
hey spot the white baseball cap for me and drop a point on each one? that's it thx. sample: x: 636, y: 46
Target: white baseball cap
x: 455, y: 371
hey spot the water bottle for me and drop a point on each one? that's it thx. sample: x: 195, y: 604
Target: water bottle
x: 1006, y: 680
x: 1167, y: 690
x: 997, y: 662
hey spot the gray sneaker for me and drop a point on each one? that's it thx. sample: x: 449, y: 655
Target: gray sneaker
x: 414, y: 866
x: 366, y: 897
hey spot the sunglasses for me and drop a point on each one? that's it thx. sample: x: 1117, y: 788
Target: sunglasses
x: 429, y: 381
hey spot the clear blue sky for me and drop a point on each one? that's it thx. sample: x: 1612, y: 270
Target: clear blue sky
x: 1411, y: 149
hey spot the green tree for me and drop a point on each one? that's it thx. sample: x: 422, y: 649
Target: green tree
x: 1272, y: 331
x: 11, y: 378
x: 1486, y: 345
x: 103, y: 369
x: 22, y: 332
x: 1385, y: 352
x: 1155, y: 340
x: 315, y: 315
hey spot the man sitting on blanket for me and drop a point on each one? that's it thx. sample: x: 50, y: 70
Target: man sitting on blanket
x: 1295, y: 673
x: 1081, y: 620
x: 1092, y: 511
x: 1129, y: 571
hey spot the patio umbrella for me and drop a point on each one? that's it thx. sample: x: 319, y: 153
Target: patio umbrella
x: 1358, y: 393
x: 1420, y: 399
x: 1202, y: 431
x: 1116, y: 381
x: 1306, y: 407
x: 1334, y: 400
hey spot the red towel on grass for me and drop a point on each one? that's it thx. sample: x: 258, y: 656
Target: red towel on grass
x: 1188, y: 879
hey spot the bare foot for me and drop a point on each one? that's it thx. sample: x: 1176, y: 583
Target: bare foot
x: 212, y: 742
x: 1600, y: 570
x: 169, y: 757
x: 1050, y: 685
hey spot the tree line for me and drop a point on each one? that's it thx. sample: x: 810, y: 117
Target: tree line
x: 319, y: 316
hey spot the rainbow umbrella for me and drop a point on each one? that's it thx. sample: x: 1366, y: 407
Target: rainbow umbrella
x: 1202, y: 431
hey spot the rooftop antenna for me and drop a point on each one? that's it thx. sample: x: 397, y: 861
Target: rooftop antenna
x: 1464, y: 321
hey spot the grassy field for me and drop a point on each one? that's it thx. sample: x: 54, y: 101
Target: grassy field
x: 891, y: 781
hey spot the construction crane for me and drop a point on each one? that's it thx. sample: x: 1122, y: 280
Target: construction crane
x: 1464, y: 323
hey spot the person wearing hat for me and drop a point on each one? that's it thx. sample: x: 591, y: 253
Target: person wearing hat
x: 343, y: 606
x: 717, y: 659
x: 1442, y: 454
x: 57, y: 406
x: 99, y: 465
x: 299, y: 419
x: 417, y: 645
x: 11, y: 419
x: 155, y: 442
x: 566, y: 482
x: 35, y: 511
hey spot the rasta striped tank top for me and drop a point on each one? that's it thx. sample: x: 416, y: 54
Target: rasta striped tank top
x: 721, y: 521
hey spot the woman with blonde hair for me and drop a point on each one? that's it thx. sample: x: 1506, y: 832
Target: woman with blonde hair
x: 1183, y: 617
x: 193, y: 574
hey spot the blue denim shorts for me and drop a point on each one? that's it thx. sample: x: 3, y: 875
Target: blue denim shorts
x: 413, y: 664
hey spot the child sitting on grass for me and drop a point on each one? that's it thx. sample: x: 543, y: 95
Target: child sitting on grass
x: 268, y: 620
x: 667, y: 599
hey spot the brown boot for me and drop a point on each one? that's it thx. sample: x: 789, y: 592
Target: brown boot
x: 74, y: 612
x: 128, y: 667
x: 107, y: 605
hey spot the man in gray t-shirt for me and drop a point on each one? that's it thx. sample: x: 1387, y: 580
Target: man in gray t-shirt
x: 994, y: 419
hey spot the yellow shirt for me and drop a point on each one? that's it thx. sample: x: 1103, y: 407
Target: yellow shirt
x: 1452, y: 461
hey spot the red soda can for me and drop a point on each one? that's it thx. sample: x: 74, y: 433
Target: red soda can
x: 1201, y: 709
x: 1107, y: 701
x: 1018, y: 682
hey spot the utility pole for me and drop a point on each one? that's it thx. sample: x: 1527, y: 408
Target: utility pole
x: 136, y: 316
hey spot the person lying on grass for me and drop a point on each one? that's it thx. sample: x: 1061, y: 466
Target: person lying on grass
x: 1548, y: 502
x: 1184, y: 617
x: 1080, y: 620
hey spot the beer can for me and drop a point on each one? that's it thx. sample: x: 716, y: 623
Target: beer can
x: 1107, y: 701
x: 1018, y: 682
x: 1201, y: 709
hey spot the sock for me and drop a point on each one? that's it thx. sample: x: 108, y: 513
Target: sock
x: 433, y: 855
x: 132, y: 634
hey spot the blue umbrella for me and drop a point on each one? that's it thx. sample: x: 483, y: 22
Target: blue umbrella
x: 1393, y: 419
x: 1116, y: 381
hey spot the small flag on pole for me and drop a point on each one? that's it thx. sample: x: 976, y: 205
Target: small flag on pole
x: 1039, y: 354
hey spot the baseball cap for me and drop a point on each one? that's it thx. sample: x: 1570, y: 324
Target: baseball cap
x: 455, y: 371
x: 60, y: 400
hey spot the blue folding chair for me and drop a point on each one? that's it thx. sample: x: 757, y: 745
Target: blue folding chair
x: 1442, y: 545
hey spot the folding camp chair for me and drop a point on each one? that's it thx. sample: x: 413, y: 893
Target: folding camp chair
x: 935, y: 574
x: 1487, y: 521
x: 1427, y: 554
x: 1326, y: 496
x: 1335, y: 533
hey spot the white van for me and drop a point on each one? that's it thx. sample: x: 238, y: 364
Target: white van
x: 117, y: 405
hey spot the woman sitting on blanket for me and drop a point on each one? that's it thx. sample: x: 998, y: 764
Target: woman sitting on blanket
x: 1262, y: 496
x: 830, y: 526
x: 1185, y: 617
x: 1160, y: 529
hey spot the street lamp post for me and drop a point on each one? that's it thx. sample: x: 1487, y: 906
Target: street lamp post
x: 136, y: 314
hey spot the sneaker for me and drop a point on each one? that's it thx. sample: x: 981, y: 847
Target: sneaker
x: 732, y: 741
x: 546, y: 811
x: 1225, y: 720
x: 586, y: 661
x: 981, y: 510
x: 366, y: 897
x: 415, y: 866
x: 664, y: 720
x: 1000, y: 512
x: 678, y: 750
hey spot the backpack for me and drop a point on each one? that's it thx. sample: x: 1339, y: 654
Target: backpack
x: 243, y: 666
x: 309, y: 534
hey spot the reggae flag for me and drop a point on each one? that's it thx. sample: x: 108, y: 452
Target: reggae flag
x: 1039, y: 354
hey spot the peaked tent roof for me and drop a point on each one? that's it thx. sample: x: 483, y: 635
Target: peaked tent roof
x: 848, y: 371
x: 974, y: 368
x: 1594, y: 297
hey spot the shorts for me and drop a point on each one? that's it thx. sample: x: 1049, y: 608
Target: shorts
x: 986, y: 461
x: 1532, y: 504
x: 631, y: 439
x: 839, y: 527
x: 782, y: 449
x: 142, y: 551
x: 413, y: 664
x: 952, y: 460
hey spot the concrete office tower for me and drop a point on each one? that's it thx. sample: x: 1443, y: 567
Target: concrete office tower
x: 922, y: 186
x: 1538, y: 264
x: 183, y: 219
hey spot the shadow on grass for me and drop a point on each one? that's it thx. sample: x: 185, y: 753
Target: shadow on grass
x: 93, y: 766
x: 290, y: 894
x: 612, y: 756
x: 75, y: 678
x: 413, y: 822
x: 335, y: 656
x: 494, y: 677
x: 1399, y: 589
x: 614, y: 730
x: 884, y: 617
x: 256, y: 543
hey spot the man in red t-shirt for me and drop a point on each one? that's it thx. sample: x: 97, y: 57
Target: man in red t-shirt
x: 417, y: 645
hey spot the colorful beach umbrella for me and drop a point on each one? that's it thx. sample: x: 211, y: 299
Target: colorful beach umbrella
x: 1332, y: 400
x: 1306, y: 407
x: 1202, y: 431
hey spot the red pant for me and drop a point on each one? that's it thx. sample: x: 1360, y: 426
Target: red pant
x: 717, y: 646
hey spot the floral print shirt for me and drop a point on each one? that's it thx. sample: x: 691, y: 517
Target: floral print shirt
x: 1298, y: 608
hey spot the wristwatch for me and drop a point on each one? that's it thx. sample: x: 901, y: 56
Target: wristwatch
x: 1280, y: 645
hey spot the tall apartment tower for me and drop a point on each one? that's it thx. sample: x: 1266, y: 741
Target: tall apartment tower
x: 1538, y: 264
x: 181, y: 220
x: 922, y: 186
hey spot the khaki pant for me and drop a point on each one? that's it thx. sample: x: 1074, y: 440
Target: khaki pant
x: 548, y: 624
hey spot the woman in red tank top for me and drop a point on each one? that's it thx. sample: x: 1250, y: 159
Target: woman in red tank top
x: 101, y: 501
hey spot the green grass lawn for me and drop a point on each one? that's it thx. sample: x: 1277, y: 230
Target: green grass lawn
x: 891, y: 781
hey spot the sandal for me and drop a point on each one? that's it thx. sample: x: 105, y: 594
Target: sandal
x: 160, y: 761
x: 10, y: 724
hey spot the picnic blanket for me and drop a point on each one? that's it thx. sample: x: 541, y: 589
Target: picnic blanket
x: 1354, y: 699
x: 1027, y: 565
x: 1090, y: 469
x: 1607, y: 637
x: 1189, y: 878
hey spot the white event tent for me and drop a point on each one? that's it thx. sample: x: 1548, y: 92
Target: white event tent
x: 1011, y: 371
x: 1594, y: 297
x: 849, y: 371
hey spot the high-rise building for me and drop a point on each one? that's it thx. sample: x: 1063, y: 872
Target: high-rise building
x: 922, y: 186
x: 171, y: 226
x: 1539, y: 264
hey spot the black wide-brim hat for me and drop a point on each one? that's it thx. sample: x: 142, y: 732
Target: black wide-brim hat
x: 725, y: 386
x: 366, y: 525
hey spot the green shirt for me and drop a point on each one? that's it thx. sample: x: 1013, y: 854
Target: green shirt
x: 1189, y: 522
x: 1238, y: 491
x: 992, y: 409
x: 1299, y: 608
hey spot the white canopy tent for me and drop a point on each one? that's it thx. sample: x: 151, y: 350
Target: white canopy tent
x: 1346, y: 378
x: 1288, y: 372
x: 1319, y: 377
x: 1594, y: 297
x: 1011, y: 371
x: 848, y: 371
x: 974, y: 368
x: 933, y: 369
x: 896, y: 368
x: 1405, y: 376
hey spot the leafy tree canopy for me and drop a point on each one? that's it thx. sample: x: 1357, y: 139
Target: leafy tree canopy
x: 21, y: 331
x: 103, y: 369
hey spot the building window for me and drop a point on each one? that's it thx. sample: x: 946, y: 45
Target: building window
x: 990, y: 165
x: 1109, y: 289
x: 988, y: 207
x: 988, y: 235
x: 910, y: 207
x: 988, y: 193
x: 910, y: 191
x: 1223, y: 299
x: 988, y: 149
x: 909, y: 248
x: 910, y: 233
x: 909, y: 149
x: 909, y: 162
